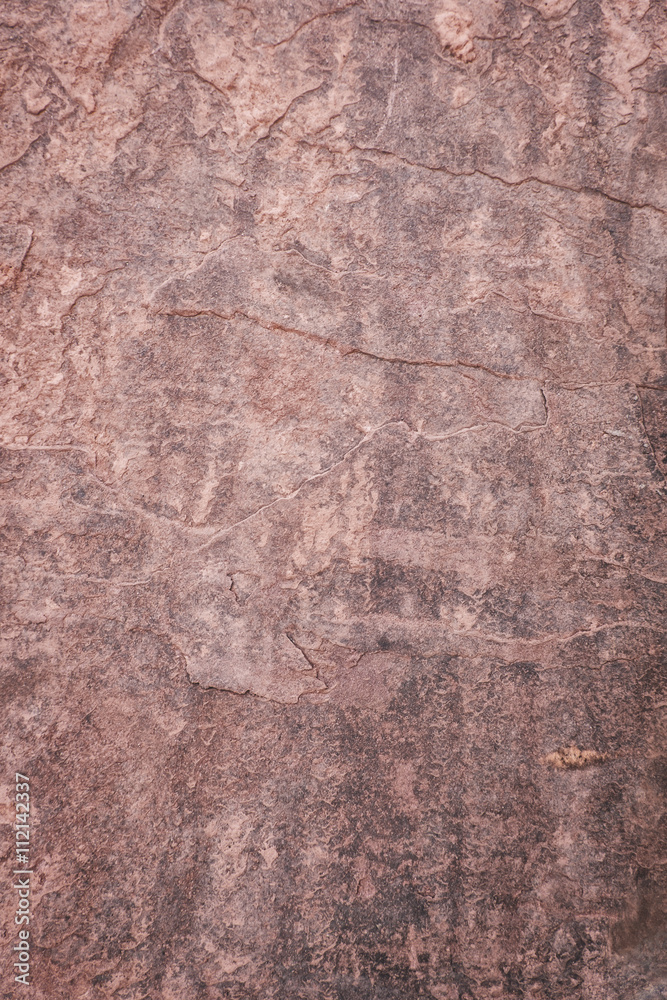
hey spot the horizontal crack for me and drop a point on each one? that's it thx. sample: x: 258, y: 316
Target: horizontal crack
x: 509, y: 183
x: 342, y: 348
x: 429, y: 362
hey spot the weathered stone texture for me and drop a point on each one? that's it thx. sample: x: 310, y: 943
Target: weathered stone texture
x: 332, y: 454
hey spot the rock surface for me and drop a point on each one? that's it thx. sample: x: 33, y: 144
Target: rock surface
x: 333, y: 455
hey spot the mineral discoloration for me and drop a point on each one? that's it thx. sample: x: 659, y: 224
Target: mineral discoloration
x: 569, y: 758
x: 333, y: 455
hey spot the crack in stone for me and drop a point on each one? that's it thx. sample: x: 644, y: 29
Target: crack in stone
x: 290, y: 496
x: 474, y: 428
x: 429, y: 362
x: 306, y: 657
x: 341, y: 348
x: 648, y: 438
x: 281, y: 117
x: 315, y: 17
x: 17, y: 159
x: 584, y: 189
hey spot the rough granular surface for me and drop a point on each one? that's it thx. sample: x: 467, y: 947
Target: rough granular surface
x: 333, y: 446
